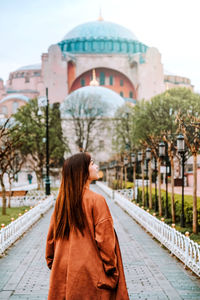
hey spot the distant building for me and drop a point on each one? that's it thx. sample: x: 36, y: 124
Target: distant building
x: 173, y: 81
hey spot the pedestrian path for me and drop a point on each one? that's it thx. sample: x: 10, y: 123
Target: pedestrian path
x: 188, y: 190
x: 151, y: 272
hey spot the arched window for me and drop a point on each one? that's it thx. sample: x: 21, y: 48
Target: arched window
x: 87, y: 46
x: 123, y: 47
x: 131, y: 48
x: 72, y: 46
x: 82, y: 82
x: 95, y: 46
x: 111, y: 80
x: 130, y: 94
x: 101, y: 45
x: 4, y: 110
x: 116, y: 46
x: 15, y: 106
x: 27, y: 77
x: 102, y: 78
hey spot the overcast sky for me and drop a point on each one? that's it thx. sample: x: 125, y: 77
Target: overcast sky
x: 29, y: 27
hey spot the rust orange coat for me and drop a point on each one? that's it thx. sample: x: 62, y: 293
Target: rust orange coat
x: 87, y: 267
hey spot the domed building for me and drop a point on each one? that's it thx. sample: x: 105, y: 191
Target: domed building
x: 122, y: 64
x: 126, y: 70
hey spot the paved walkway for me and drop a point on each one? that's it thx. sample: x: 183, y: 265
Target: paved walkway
x: 188, y: 190
x: 150, y: 271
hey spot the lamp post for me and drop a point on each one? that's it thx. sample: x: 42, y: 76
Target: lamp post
x: 125, y: 169
x: 181, y: 151
x: 148, y: 158
x: 163, y: 153
x: 44, y: 102
x: 139, y: 157
x: 156, y: 196
x: 133, y: 159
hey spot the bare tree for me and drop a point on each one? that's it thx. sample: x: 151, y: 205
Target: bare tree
x: 8, y: 145
x: 87, y: 112
x: 16, y: 161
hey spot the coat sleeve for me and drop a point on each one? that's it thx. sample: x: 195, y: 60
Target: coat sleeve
x: 49, y: 253
x: 105, y: 237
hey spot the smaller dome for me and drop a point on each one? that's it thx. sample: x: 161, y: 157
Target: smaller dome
x: 30, y: 67
x: 108, y: 97
x: 15, y: 96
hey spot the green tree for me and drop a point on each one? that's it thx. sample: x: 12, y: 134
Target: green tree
x: 31, y: 128
x: 58, y: 143
x: 123, y: 129
x: 189, y: 125
x: 155, y: 120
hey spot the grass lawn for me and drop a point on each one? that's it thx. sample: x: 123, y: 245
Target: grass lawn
x: 12, y: 212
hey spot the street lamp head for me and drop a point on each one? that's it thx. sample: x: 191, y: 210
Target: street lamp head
x: 125, y: 160
x: 162, y: 149
x: 139, y: 156
x: 42, y: 101
x: 148, y: 154
x: 110, y: 165
x: 180, y: 143
x: 39, y: 112
x: 133, y: 158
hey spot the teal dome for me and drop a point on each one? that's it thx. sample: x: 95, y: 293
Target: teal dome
x: 101, y: 37
x: 96, y: 94
x: 100, y: 30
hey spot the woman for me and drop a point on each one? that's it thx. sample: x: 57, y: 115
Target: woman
x: 82, y: 249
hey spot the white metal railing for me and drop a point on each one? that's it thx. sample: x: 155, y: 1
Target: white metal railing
x: 10, y: 233
x: 180, y: 245
x: 19, y: 201
x: 31, y: 199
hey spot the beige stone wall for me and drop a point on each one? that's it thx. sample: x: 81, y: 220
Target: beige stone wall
x: 147, y: 77
x: 54, y: 74
x: 118, y: 62
x: 22, y: 84
x: 7, y: 107
x: 150, y: 75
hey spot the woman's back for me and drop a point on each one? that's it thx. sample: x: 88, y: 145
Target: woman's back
x: 85, y: 264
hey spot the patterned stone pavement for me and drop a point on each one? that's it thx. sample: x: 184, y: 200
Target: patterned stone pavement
x: 151, y: 272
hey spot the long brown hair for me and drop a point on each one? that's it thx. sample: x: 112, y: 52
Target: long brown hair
x: 68, y: 208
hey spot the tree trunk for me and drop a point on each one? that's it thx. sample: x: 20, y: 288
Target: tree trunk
x: 150, y: 185
x: 125, y: 176
x: 134, y: 181
x: 3, y: 196
x: 159, y: 189
x: 39, y: 180
x: 172, y: 191
x: 10, y: 191
x: 118, y: 178
x: 195, y: 216
x: 143, y: 195
x: 121, y: 180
